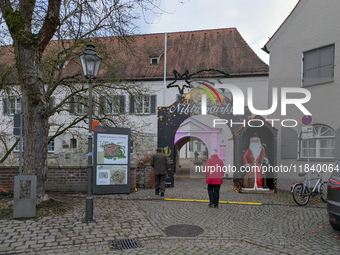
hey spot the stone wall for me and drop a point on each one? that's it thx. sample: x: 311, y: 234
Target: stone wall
x: 145, y: 177
x: 64, y: 154
x: 144, y: 144
x: 65, y: 179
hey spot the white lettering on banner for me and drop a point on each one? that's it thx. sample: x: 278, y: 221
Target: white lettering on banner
x: 193, y: 108
x: 213, y: 169
x: 251, y: 123
x: 319, y: 168
x: 298, y: 102
x: 238, y: 100
x: 261, y: 112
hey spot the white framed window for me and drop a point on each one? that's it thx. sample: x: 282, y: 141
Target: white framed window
x: 153, y: 61
x: 143, y: 104
x: 199, y: 147
x: 73, y: 143
x: 322, y: 145
x: 50, y: 146
x: 191, y: 145
x: 112, y: 105
x: 318, y: 66
x: 12, y: 105
x: 79, y: 105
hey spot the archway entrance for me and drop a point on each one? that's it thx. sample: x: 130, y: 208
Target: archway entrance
x: 170, y: 118
x: 196, y: 139
x: 185, y: 158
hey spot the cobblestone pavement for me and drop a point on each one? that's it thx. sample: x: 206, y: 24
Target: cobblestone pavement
x: 277, y: 226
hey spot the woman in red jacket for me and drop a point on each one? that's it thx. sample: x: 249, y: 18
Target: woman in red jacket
x: 214, y: 178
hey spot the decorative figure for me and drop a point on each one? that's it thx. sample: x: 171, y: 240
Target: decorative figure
x: 253, y: 158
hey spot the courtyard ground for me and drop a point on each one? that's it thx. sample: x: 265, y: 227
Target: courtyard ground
x: 273, y: 225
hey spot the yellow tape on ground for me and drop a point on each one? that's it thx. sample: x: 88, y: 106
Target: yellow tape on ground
x: 191, y: 177
x: 207, y: 201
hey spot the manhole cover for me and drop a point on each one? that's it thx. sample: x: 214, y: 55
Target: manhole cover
x: 183, y: 230
x: 125, y: 244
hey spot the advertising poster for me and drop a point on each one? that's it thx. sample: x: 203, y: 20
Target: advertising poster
x: 112, y: 149
x: 111, y: 160
x: 111, y: 175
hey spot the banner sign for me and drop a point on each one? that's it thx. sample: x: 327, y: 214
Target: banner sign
x: 111, y: 160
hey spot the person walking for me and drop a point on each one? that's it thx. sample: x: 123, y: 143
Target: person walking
x: 196, y: 156
x: 159, y: 162
x: 214, y: 178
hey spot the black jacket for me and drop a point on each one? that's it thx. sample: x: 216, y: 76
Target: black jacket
x: 159, y: 162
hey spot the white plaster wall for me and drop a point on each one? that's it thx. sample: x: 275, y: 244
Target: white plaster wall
x: 219, y: 140
x: 61, y: 155
x: 313, y: 24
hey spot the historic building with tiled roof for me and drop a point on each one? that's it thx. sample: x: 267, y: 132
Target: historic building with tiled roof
x: 218, y: 56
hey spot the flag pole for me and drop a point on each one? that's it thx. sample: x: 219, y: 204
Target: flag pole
x: 165, y: 42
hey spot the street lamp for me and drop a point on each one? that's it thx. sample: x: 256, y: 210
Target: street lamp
x: 90, y: 63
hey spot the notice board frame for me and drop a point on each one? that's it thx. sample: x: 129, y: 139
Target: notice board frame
x: 110, y: 165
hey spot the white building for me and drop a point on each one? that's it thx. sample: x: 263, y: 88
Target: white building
x: 304, y: 53
x: 219, y: 56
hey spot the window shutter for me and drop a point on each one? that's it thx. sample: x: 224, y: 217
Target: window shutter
x: 318, y: 66
x: 153, y: 109
x: 121, y: 104
x: 326, y: 64
x: 85, y: 103
x: 52, y: 100
x: 310, y: 68
x: 337, y: 144
x: 101, y: 105
x: 71, y: 104
x: 288, y: 143
x: 5, y: 104
x: 21, y: 106
x: 132, y: 104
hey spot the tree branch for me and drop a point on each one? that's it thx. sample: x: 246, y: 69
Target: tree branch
x: 9, y: 151
x: 26, y: 8
x: 51, y: 23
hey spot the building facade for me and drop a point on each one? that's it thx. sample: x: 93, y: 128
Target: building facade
x: 193, y: 59
x: 304, y: 54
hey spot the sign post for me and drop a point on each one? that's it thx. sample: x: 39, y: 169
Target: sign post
x: 18, y: 129
x: 307, y: 133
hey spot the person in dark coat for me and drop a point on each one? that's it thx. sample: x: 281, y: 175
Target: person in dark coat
x: 196, y: 155
x: 159, y: 162
x: 214, y: 178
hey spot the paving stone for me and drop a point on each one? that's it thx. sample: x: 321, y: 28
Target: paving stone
x: 276, y: 227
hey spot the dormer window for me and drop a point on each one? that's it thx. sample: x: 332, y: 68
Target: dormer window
x: 154, y: 61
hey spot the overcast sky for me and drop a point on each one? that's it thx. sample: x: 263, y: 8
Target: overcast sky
x: 256, y: 20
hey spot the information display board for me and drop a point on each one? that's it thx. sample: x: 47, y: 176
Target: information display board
x: 111, y: 173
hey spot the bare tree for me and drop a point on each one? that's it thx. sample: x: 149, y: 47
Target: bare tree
x: 40, y: 62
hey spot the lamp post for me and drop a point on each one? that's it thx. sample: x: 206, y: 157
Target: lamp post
x: 90, y: 64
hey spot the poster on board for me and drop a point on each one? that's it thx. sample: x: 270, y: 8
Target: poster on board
x: 112, y: 149
x: 111, y: 175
